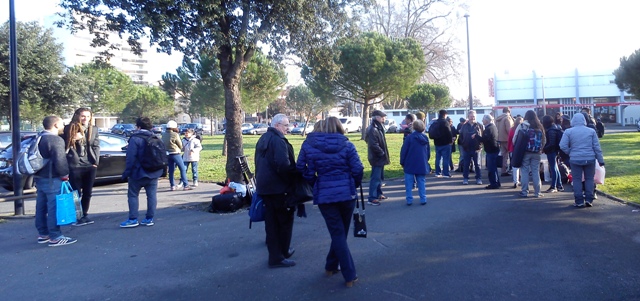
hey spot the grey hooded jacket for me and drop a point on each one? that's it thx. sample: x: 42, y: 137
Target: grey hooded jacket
x: 580, y: 142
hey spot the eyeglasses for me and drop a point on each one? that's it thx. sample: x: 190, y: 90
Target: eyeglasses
x: 283, y: 124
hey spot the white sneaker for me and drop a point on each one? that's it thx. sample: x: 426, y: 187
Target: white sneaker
x: 195, y: 183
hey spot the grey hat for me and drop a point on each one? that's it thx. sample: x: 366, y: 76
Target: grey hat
x: 378, y: 113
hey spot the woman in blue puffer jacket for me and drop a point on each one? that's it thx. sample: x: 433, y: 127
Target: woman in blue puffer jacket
x: 330, y: 163
x: 414, y: 157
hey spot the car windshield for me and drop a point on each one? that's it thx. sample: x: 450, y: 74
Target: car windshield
x: 128, y: 126
x: 343, y: 120
x: 191, y: 126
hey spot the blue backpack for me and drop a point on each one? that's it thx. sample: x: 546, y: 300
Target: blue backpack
x: 535, y: 140
x: 256, y: 211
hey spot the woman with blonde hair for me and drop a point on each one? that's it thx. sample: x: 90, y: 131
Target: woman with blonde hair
x: 330, y: 163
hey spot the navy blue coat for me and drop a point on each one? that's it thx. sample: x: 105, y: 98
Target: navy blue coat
x: 135, y: 151
x: 415, y: 153
x: 330, y: 163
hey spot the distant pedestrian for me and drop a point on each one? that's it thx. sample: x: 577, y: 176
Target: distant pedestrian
x: 440, y: 132
x: 470, y: 138
x: 83, y: 155
x: 515, y: 171
x: 583, y: 147
x: 503, y: 124
x: 192, y: 147
x: 492, y: 149
x: 599, y: 127
x: 330, y: 162
x: 138, y: 178
x: 378, y: 156
x: 551, y: 148
x: 408, y: 125
x: 454, y: 137
x: 172, y: 142
x: 414, y: 157
x: 275, y: 171
x: 460, y: 148
x: 533, y: 139
x: 48, y: 181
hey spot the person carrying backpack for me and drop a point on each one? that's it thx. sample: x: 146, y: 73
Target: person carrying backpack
x: 48, y: 182
x: 139, y: 177
x: 529, y: 140
x: 551, y: 148
x: 440, y: 132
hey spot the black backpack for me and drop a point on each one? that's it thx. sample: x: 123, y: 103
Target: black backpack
x: 434, y: 130
x: 154, y: 156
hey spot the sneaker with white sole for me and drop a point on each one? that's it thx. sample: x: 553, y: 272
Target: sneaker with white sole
x: 147, y: 222
x: 479, y: 182
x: 43, y: 239
x: 195, y: 183
x: 83, y: 221
x: 465, y: 182
x: 61, y: 241
x: 374, y: 202
x: 130, y: 223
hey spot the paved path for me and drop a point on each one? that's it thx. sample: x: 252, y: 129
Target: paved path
x: 468, y: 243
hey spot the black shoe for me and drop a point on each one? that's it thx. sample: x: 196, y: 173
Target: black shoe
x: 491, y: 187
x: 83, y: 221
x: 290, y: 253
x: 504, y: 174
x: 286, y: 263
x: 588, y: 204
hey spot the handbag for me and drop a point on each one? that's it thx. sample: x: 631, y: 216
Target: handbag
x: 65, y: 206
x: 77, y: 203
x: 359, y: 224
x: 256, y: 210
x: 300, y: 191
x: 599, y: 175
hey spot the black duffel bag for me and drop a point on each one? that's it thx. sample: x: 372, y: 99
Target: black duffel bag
x: 228, y: 202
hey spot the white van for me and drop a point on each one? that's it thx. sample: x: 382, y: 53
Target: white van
x: 351, y: 124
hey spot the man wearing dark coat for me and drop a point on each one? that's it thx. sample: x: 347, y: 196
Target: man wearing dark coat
x: 378, y: 156
x: 492, y: 148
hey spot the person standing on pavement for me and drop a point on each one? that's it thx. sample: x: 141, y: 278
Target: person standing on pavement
x: 442, y: 141
x: 460, y: 148
x: 48, y: 181
x: 330, y: 163
x: 533, y: 139
x: 504, y: 123
x: 275, y: 171
x: 378, y: 156
x: 408, y: 125
x: 172, y: 142
x: 83, y: 155
x: 454, y: 137
x: 492, y: 149
x: 583, y: 147
x: 414, y: 155
x: 515, y: 170
x: 192, y: 147
x: 138, y: 177
x: 551, y: 148
x: 470, y: 138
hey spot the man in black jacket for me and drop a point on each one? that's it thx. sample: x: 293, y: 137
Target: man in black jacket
x: 275, y: 169
x: 442, y: 140
x: 81, y: 141
x: 378, y: 156
x: 470, y: 137
x: 491, y: 147
x: 48, y: 181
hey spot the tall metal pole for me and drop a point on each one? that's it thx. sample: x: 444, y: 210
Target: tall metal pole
x: 466, y: 16
x: 18, y: 205
x: 544, y: 100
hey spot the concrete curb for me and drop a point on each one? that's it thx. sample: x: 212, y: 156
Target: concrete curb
x: 617, y: 199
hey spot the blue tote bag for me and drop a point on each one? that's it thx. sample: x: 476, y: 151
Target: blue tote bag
x: 65, y: 206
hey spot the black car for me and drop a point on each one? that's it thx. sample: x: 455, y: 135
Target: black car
x: 124, y: 129
x: 197, y: 128
x: 112, y: 161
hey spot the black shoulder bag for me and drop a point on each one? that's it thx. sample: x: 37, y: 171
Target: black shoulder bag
x: 359, y: 224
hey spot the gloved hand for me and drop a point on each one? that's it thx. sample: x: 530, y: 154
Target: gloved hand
x: 601, y: 164
x: 302, y: 212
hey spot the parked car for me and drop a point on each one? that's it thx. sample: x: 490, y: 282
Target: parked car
x: 197, y: 127
x: 112, y: 161
x: 299, y: 129
x: 258, y: 129
x: 159, y: 129
x: 5, y: 137
x: 245, y: 126
x: 351, y: 124
x: 124, y: 129
x: 390, y: 126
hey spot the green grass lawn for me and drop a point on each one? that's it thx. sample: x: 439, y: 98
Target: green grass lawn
x: 621, y: 153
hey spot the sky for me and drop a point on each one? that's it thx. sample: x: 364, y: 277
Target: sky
x: 515, y: 36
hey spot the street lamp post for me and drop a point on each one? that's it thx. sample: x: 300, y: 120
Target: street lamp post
x: 18, y: 205
x: 544, y: 100
x: 466, y: 16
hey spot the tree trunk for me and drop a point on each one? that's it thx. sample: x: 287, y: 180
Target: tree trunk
x: 233, y: 136
x: 365, y: 119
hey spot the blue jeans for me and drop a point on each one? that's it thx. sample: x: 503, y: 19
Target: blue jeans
x: 556, y: 180
x: 46, y: 221
x: 338, y: 217
x: 176, y: 159
x: 375, y: 183
x: 588, y: 167
x: 443, y: 155
x: 150, y: 188
x: 408, y: 187
x: 530, y: 163
x: 492, y: 167
x: 468, y: 156
x: 194, y: 168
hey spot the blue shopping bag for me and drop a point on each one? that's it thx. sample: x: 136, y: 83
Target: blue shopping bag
x: 65, y: 206
x: 256, y: 211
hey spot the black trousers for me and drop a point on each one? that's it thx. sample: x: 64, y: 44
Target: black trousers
x: 278, y: 224
x: 82, y: 179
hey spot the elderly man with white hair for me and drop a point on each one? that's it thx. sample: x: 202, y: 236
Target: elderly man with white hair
x: 492, y: 148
